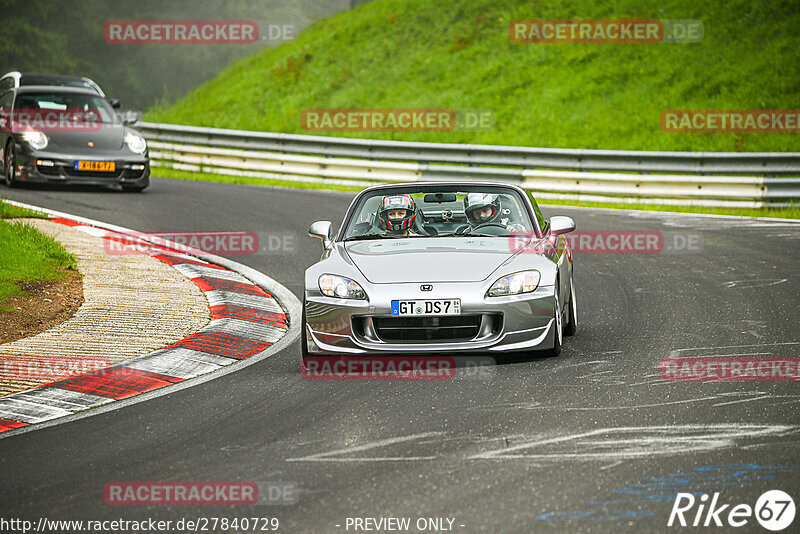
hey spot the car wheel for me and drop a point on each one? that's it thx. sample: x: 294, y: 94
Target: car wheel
x: 559, y: 326
x: 303, y: 341
x: 571, y: 325
x: 10, y: 166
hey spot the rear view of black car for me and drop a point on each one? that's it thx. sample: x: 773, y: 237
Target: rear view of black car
x: 71, y: 136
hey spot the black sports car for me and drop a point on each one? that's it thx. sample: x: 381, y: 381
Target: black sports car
x: 68, y: 135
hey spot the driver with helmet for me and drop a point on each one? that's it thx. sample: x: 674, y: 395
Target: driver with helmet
x: 485, y: 208
x: 396, y: 216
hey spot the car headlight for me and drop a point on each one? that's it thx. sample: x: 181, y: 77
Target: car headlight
x: 515, y: 284
x: 37, y: 140
x: 136, y: 143
x: 338, y: 286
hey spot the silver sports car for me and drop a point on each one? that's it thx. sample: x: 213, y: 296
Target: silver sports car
x: 430, y: 267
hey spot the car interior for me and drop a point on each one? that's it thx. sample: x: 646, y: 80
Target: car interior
x: 438, y: 213
x: 63, y: 102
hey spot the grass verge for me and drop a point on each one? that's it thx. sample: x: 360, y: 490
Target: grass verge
x: 792, y: 212
x: 451, y: 54
x: 27, y: 254
x: 166, y: 172
x: 8, y: 211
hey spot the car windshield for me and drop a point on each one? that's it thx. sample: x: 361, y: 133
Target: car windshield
x: 418, y: 212
x: 59, y: 101
x: 31, y: 80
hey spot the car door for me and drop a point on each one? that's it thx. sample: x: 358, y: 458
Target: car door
x: 557, y: 251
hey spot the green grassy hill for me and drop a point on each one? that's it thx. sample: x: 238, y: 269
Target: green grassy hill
x: 68, y: 38
x: 457, y: 54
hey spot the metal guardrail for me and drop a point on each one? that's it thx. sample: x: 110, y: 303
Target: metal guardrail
x: 681, y: 178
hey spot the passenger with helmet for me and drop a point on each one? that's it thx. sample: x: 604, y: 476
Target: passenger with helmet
x: 485, y: 208
x: 396, y: 216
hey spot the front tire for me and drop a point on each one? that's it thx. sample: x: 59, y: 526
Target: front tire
x: 303, y: 340
x: 558, y: 325
x: 10, y: 166
x: 572, y: 308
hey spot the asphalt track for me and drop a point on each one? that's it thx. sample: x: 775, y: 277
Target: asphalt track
x: 591, y: 441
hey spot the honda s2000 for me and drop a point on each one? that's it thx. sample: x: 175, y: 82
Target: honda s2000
x: 433, y: 267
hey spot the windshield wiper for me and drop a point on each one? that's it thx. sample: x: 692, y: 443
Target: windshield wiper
x: 468, y: 234
x: 367, y: 236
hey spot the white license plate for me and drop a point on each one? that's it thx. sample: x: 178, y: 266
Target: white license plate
x: 404, y: 308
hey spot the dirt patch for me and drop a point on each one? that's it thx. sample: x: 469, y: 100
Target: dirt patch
x: 48, y: 303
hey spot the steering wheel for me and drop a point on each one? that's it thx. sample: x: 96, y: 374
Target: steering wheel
x: 361, y: 228
x: 488, y: 224
x: 465, y: 227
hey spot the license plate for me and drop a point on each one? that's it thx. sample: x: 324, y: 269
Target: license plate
x: 102, y: 166
x: 404, y: 308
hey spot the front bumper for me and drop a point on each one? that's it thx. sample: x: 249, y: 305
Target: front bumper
x: 346, y: 326
x: 128, y: 169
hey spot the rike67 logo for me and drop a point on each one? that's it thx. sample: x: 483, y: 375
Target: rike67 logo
x: 774, y: 510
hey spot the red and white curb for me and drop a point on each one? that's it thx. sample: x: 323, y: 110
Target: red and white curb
x: 247, y: 322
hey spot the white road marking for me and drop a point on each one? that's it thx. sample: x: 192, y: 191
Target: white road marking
x: 743, y: 400
x: 327, y: 456
x: 609, y: 466
x: 750, y: 284
x: 612, y: 444
x: 677, y: 353
x: 631, y: 406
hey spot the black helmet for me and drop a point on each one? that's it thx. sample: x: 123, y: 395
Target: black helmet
x: 397, y: 202
x: 476, y: 201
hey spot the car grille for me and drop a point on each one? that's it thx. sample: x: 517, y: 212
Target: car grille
x: 132, y: 174
x: 431, y: 329
x: 50, y: 171
x: 67, y: 170
x: 92, y: 174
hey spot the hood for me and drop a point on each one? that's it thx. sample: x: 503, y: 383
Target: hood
x: 441, y: 259
x: 109, y: 137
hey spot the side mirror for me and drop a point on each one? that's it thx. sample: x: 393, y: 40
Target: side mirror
x: 130, y: 117
x: 322, y: 230
x: 115, y: 104
x: 561, y: 225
